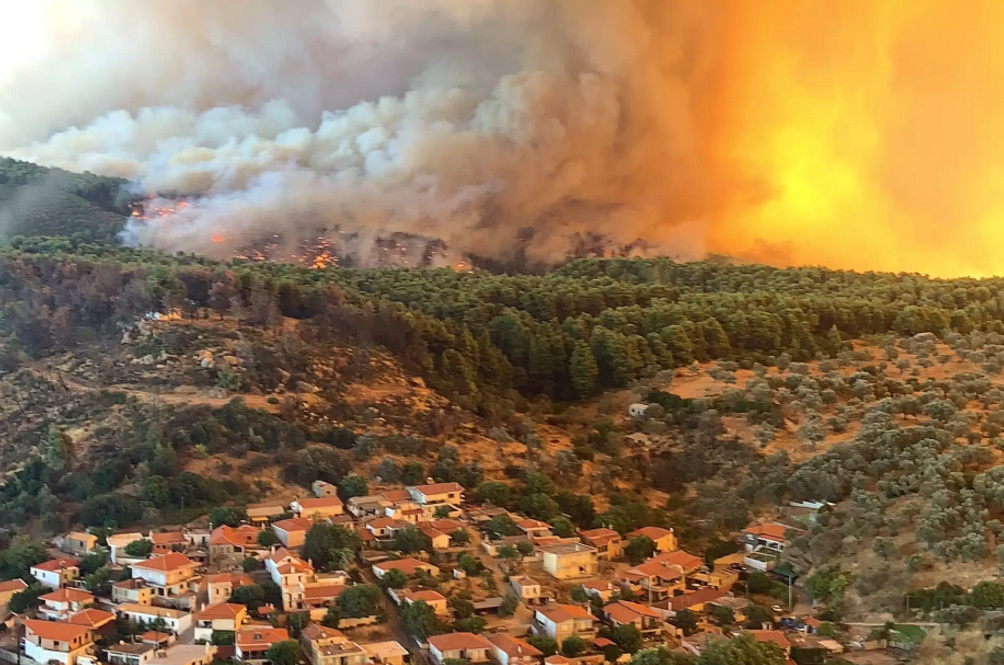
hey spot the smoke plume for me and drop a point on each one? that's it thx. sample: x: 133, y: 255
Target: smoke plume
x: 861, y: 134
x: 489, y: 124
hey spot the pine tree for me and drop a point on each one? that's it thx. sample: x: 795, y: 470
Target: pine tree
x: 583, y: 370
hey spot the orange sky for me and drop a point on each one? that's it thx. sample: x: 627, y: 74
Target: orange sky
x: 860, y: 134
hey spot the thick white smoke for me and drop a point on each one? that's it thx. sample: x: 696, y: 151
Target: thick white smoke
x: 485, y: 123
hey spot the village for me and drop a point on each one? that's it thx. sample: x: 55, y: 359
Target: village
x: 419, y: 575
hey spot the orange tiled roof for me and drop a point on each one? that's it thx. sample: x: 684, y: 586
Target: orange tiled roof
x: 599, y: 536
x: 774, y: 532
x: 561, y: 613
x: 684, y: 560
x: 654, y: 533
x: 242, y: 536
x: 265, y: 636
x: 293, y: 524
x: 624, y: 611
x: 321, y: 502
x: 13, y: 585
x: 168, y: 538
x: 438, y: 488
x: 323, y: 591
x: 55, y: 565
x: 56, y: 630
x: 68, y: 595
x: 458, y: 642
x: 513, y: 646
x: 166, y: 562
x: 221, y: 611
x: 91, y: 618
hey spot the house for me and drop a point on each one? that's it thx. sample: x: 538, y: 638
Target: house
x: 686, y: 562
x: 56, y: 573
x: 262, y: 513
x: 569, y: 560
x: 599, y: 589
x: 168, y: 575
x: 321, y: 488
x: 386, y: 653
x: 221, y: 586
x: 77, y: 542
x: 134, y: 591
x: 251, y: 644
x: 229, y: 541
x: 433, y: 599
x: 527, y: 590
x: 176, y: 621
x: 117, y: 543
x: 623, y: 612
x: 317, y: 508
x: 384, y: 528
x: 219, y: 617
x: 368, y: 506
x: 637, y: 409
x: 292, y: 532
x: 185, y: 654
x: 557, y: 659
x: 562, y: 621
x: 763, y: 544
x: 534, y: 528
x: 437, y: 494
x: 58, y: 605
x: 290, y: 573
x: 328, y: 646
x: 440, y: 541
x: 168, y: 541
x: 509, y: 650
x: 52, y: 641
x: 664, y: 539
x: 459, y: 646
x: 130, y: 653
x: 409, y: 567
x: 99, y: 621
x: 608, y: 543
x: 319, y: 595
x: 655, y: 580
x: 775, y: 637
x: 693, y: 601
x: 8, y: 589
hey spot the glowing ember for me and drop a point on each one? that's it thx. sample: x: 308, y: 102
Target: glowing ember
x: 217, y: 237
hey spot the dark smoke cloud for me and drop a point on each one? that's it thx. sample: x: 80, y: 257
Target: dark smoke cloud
x: 480, y: 122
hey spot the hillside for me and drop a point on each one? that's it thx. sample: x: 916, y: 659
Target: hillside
x: 877, y: 393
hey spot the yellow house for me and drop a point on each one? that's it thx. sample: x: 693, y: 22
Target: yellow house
x: 8, y: 589
x: 569, y: 560
x: 664, y: 539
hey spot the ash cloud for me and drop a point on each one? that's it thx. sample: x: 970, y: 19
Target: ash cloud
x: 497, y: 126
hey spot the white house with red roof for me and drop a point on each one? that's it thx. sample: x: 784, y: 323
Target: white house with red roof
x: 58, y: 605
x: 56, y: 573
x: 559, y: 622
x: 219, y: 617
x: 168, y: 575
x: 509, y: 650
x: 409, y: 567
x: 437, y: 494
x: 251, y: 644
x: 56, y: 641
x: 459, y: 646
x: 770, y: 537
